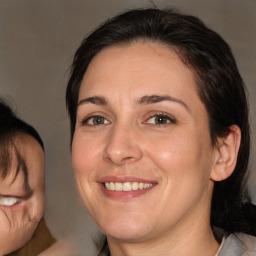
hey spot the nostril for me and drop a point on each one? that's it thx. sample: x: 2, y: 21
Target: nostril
x: 122, y: 146
x: 122, y: 156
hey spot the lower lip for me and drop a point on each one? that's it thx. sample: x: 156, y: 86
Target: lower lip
x: 124, y: 195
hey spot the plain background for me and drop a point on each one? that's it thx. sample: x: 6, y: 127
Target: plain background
x: 37, y: 41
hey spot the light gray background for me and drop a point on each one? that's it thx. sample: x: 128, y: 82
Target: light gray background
x: 37, y: 41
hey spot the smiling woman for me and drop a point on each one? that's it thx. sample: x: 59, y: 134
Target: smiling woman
x: 21, y: 188
x: 160, y: 137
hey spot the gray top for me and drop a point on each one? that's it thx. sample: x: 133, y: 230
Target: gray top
x: 239, y: 244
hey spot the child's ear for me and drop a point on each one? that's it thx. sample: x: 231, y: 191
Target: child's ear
x: 226, y: 152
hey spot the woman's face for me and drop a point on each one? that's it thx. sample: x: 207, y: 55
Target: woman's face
x: 21, y: 204
x: 141, y: 152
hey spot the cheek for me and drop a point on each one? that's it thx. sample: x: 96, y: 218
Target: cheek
x: 17, y: 229
x: 36, y: 204
x: 4, y: 223
x: 37, y: 181
x: 80, y: 157
x: 185, y: 164
x: 85, y: 154
x: 85, y: 161
x: 181, y: 158
x: 170, y: 152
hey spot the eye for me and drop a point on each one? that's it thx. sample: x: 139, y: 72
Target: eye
x: 95, y: 120
x: 160, y: 119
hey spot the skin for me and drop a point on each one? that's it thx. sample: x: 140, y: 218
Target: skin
x: 19, y: 221
x: 171, y: 218
x: 63, y: 247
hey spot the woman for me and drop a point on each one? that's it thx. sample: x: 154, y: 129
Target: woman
x: 160, y: 137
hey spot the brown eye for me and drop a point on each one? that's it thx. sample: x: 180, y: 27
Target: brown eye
x: 160, y: 119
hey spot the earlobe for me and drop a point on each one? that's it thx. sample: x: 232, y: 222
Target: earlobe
x: 226, y: 154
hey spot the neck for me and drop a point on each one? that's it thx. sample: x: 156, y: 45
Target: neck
x: 196, y: 240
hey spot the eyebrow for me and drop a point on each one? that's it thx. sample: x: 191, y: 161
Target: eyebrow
x: 97, y: 100
x: 151, y: 99
x: 144, y: 100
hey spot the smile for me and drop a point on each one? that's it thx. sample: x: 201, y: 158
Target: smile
x: 127, y: 186
x: 9, y: 201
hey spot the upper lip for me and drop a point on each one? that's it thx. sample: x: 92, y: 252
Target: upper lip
x: 123, y: 179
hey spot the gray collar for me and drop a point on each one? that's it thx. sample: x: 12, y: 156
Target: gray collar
x: 239, y: 244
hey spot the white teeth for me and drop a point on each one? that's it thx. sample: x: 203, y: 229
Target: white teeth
x: 107, y: 185
x: 118, y: 186
x: 147, y: 185
x: 127, y: 186
x: 135, y: 185
x: 141, y: 186
x: 111, y: 186
x: 8, y: 201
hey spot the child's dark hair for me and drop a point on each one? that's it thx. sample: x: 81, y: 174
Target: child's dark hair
x: 10, y: 128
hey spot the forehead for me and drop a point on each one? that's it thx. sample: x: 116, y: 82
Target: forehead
x: 29, y: 146
x: 150, y: 66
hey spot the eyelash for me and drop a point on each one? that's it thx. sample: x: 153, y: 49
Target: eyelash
x: 87, y: 119
x: 167, y: 119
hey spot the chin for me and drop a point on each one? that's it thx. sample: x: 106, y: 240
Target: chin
x: 128, y: 231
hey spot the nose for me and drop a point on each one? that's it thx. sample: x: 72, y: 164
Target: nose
x: 122, y: 146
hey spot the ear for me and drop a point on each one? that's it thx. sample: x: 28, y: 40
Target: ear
x: 226, y: 153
